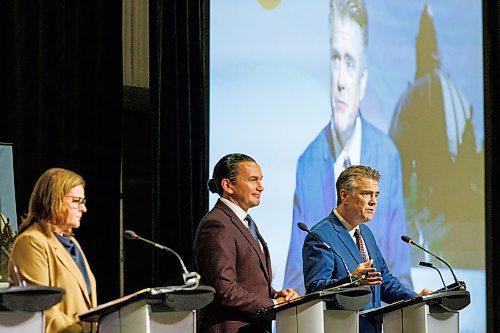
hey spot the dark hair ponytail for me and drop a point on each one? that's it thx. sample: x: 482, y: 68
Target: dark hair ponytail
x: 226, y: 168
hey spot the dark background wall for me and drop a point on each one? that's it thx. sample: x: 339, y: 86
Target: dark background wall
x: 491, y: 13
x: 60, y: 79
x: 165, y: 144
x: 144, y: 150
x: 65, y: 105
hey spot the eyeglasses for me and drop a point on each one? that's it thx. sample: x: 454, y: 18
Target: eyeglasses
x: 78, y: 200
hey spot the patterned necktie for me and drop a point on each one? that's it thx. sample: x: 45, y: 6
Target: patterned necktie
x: 252, y: 228
x: 359, y: 244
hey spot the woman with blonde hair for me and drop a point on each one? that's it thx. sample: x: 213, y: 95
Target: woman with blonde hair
x: 46, y: 252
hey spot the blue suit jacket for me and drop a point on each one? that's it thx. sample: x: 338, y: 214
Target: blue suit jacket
x: 315, y: 197
x: 322, y: 268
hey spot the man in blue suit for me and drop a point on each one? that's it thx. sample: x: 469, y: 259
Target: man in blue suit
x: 348, y: 139
x: 344, y: 230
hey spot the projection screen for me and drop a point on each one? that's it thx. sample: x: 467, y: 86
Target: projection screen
x: 271, y: 98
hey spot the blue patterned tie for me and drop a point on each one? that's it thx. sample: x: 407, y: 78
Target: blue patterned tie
x: 252, y: 228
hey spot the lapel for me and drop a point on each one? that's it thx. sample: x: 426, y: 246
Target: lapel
x: 328, y: 174
x: 367, y: 145
x: 345, y: 238
x: 263, y: 256
x: 68, y: 262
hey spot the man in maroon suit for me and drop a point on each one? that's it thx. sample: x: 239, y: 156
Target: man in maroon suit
x: 231, y: 254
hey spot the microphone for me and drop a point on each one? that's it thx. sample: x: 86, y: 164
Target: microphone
x: 20, y: 282
x: 190, y: 278
x: 430, y: 265
x: 457, y: 284
x: 349, y: 278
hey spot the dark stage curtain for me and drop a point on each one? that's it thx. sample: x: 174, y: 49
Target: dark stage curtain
x: 61, y: 81
x: 491, y: 13
x: 165, y: 194
x: 179, y: 99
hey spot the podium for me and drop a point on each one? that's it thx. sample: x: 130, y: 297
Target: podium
x: 434, y: 313
x: 21, y: 308
x: 163, y: 309
x: 329, y: 310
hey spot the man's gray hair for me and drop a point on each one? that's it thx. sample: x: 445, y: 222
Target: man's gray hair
x: 348, y: 179
x: 354, y: 10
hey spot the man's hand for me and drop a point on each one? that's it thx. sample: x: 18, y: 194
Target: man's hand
x: 372, y: 277
x: 425, y: 291
x: 286, y: 295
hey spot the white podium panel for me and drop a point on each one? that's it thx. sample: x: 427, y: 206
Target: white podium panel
x: 22, y: 322
x: 152, y: 310
x: 21, y: 307
x: 314, y: 317
x: 419, y: 319
x: 327, y: 311
x: 143, y: 316
x: 434, y: 313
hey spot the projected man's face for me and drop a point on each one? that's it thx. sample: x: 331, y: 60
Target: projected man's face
x: 348, y: 72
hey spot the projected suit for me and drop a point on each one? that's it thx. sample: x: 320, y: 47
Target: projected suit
x: 315, y: 197
x: 348, y: 138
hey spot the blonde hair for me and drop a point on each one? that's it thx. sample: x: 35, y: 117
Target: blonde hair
x: 46, y: 205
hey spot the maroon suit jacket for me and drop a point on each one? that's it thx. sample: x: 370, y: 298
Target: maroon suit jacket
x: 230, y: 260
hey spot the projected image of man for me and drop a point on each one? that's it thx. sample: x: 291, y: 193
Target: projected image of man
x: 348, y: 139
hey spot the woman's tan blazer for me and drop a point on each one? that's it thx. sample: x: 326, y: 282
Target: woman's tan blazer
x: 43, y: 260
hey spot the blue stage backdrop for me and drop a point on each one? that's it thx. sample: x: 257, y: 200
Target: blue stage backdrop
x: 270, y: 98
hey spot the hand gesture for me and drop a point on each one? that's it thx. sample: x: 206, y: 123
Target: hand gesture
x: 372, y: 277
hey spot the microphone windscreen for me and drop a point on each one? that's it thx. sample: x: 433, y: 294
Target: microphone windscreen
x: 302, y: 226
x: 406, y: 239
x: 130, y: 234
x: 425, y: 264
